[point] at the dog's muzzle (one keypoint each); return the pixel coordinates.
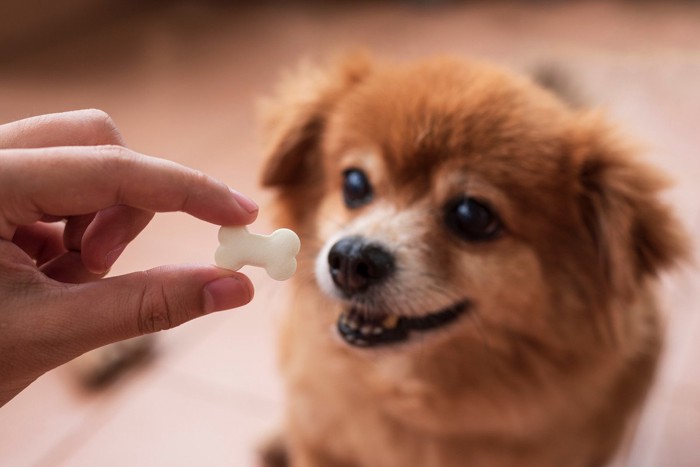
(357, 268)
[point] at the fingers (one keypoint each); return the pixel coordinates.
(41, 241)
(56, 257)
(75, 229)
(69, 269)
(126, 306)
(70, 181)
(89, 127)
(97, 239)
(110, 232)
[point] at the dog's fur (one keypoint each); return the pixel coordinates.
(561, 339)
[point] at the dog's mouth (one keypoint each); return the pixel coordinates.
(365, 329)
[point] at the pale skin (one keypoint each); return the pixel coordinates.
(72, 197)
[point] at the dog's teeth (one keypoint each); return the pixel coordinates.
(390, 321)
(377, 330)
(366, 330)
(361, 342)
(353, 325)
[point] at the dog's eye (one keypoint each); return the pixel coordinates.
(356, 188)
(472, 220)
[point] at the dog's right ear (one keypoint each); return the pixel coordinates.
(635, 233)
(295, 118)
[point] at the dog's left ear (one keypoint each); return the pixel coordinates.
(295, 118)
(635, 233)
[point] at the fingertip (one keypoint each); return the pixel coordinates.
(250, 206)
(227, 292)
(100, 263)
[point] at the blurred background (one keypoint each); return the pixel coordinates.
(182, 78)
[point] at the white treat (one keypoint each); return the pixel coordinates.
(275, 252)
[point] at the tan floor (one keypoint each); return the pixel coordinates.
(181, 82)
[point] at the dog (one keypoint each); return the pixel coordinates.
(475, 286)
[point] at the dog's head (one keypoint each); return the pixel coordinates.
(451, 202)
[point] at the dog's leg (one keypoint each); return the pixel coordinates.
(273, 452)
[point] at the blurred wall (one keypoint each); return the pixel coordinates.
(24, 24)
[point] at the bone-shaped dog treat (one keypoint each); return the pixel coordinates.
(275, 252)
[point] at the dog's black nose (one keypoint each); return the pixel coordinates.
(355, 265)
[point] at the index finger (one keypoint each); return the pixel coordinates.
(69, 181)
(89, 127)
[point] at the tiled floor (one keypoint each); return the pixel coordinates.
(181, 80)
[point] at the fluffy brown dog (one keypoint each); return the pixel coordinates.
(475, 281)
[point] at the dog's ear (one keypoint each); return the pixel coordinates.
(295, 117)
(555, 78)
(635, 233)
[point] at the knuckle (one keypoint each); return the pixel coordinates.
(115, 153)
(155, 311)
(119, 164)
(102, 126)
(197, 178)
(118, 159)
(195, 182)
(96, 116)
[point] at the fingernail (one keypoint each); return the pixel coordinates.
(111, 257)
(245, 202)
(225, 293)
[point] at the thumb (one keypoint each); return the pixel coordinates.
(144, 302)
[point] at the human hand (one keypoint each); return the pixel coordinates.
(71, 198)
